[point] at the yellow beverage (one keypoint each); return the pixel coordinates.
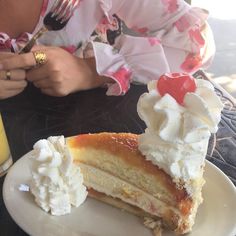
(5, 156)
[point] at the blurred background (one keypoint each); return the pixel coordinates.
(223, 23)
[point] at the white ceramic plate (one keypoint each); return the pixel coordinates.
(216, 216)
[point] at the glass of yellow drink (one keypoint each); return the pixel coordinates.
(5, 154)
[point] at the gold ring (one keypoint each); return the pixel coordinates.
(40, 57)
(8, 75)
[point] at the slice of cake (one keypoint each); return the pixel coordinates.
(116, 172)
(157, 175)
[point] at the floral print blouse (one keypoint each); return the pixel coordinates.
(167, 36)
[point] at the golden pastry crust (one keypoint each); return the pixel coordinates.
(125, 146)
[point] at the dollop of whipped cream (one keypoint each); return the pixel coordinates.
(176, 137)
(56, 182)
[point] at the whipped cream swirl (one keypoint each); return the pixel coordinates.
(56, 182)
(176, 138)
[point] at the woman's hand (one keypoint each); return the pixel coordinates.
(12, 82)
(62, 74)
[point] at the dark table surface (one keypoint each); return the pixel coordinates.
(31, 116)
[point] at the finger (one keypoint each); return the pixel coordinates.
(37, 73)
(18, 61)
(4, 55)
(38, 48)
(18, 74)
(14, 74)
(42, 84)
(48, 91)
(14, 85)
(11, 93)
(3, 75)
(52, 92)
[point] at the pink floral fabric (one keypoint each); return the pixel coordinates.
(169, 36)
(7, 43)
(170, 5)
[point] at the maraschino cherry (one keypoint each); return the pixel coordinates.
(176, 85)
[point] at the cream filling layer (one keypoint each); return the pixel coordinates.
(117, 188)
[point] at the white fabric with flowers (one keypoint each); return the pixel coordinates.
(171, 36)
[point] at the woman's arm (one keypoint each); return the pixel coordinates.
(174, 22)
(173, 37)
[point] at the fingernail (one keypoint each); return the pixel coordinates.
(1, 66)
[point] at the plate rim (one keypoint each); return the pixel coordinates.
(4, 189)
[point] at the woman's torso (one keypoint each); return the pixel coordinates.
(29, 17)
